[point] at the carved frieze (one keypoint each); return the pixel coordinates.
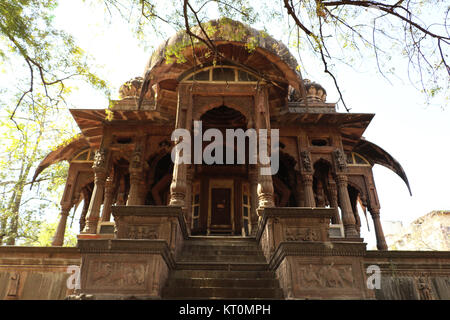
(302, 234)
(325, 276)
(142, 232)
(115, 274)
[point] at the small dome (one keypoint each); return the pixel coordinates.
(314, 92)
(132, 89)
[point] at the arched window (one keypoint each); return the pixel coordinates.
(221, 74)
(84, 156)
(356, 159)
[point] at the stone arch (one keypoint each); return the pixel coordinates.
(321, 178)
(285, 182)
(354, 194)
(159, 188)
(216, 102)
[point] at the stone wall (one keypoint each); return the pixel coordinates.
(411, 275)
(36, 273)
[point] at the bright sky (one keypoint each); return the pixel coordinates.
(416, 135)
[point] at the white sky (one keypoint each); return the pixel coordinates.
(418, 136)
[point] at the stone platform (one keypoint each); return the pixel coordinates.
(291, 257)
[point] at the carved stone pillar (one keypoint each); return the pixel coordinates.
(178, 185)
(87, 200)
(336, 219)
(298, 191)
(308, 189)
(253, 179)
(136, 175)
(265, 184)
(381, 241)
(58, 239)
(98, 192)
(307, 179)
(120, 200)
(108, 200)
(348, 218)
(188, 213)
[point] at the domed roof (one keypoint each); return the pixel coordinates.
(223, 31)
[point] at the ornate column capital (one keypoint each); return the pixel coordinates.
(342, 179)
(307, 178)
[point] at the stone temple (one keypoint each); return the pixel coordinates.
(151, 228)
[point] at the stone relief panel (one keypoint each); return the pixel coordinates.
(325, 276)
(302, 234)
(142, 232)
(117, 274)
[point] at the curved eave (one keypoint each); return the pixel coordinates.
(376, 155)
(63, 152)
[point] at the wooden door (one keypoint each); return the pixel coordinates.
(221, 208)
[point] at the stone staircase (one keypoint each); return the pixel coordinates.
(222, 267)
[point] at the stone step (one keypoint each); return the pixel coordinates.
(222, 238)
(222, 258)
(220, 248)
(220, 253)
(223, 283)
(221, 274)
(227, 266)
(221, 293)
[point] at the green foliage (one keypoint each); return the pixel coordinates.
(51, 56)
(41, 128)
(45, 62)
(330, 33)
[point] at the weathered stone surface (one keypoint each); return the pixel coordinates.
(36, 273)
(151, 222)
(115, 269)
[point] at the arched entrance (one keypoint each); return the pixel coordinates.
(220, 191)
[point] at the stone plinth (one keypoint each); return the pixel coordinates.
(292, 224)
(321, 270)
(124, 268)
(296, 243)
(150, 223)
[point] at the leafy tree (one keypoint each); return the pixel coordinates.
(347, 32)
(43, 64)
(26, 142)
(50, 56)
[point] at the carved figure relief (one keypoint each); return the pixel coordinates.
(99, 158)
(339, 156)
(136, 158)
(142, 232)
(302, 234)
(306, 161)
(117, 274)
(325, 276)
(425, 292)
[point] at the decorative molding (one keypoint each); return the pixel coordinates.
(128, 246)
